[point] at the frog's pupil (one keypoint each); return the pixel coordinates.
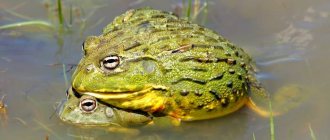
(88, 104)
(112, 60)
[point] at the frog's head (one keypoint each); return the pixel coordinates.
(109, 71)
(87, 111)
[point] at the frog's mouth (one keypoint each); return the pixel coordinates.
(114, 95)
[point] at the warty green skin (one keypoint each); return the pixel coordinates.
(103, 115)
(189, 71)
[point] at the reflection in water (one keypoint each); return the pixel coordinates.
(278, 31)
(3, 112)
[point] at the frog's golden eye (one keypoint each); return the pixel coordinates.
(110, 62)
(88, 105)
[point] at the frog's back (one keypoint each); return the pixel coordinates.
(206, 76)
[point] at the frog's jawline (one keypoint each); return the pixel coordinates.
(116, 95)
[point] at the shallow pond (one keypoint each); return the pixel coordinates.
(288, 39)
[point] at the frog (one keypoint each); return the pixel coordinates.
(87, 111)
(155, 62)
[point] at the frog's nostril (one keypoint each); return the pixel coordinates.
(90, 68)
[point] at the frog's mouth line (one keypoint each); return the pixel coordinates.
(114, 95)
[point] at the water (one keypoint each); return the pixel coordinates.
(273, 32)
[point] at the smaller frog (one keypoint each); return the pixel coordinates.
(87, 111)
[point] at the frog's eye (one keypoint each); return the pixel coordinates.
(88, 105)
(110, 62)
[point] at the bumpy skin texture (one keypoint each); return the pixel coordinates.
(168, 67)
(103, 115)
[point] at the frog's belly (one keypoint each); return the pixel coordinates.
(212, 110)
(155, 103)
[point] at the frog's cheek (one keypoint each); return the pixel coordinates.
(86, 78)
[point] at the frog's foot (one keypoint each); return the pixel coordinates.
(285, 99)
(261, 110)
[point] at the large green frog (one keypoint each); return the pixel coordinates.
(152, 61)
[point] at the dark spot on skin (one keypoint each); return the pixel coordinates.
(231, 46)
(133, 45)
(239, 75)
(230, 84)
(200, 106)
(199, 69)
(218, 47)
(182, 49)
(158, 16)
(235, 94)
(198, 81)
(210, 109)
(170, 94)
(224, 102)
(145, 50)
(184, 92)
(231, 71)
(205, 60)
(215, 93)
(198, 93)
(175, 51)
(221, 59)
(227, 54)
(144, 24)
(234, 91)
(242, 64)
(236, 53)
(178, 101)
(231, 61)
(217, 77)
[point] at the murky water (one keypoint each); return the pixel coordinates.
(288, 39)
